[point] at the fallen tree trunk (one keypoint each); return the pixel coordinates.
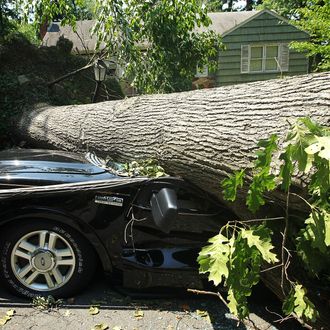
(201, 135)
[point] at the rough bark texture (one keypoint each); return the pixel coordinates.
(201, 135)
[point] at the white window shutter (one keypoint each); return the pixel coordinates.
(245, 52)
(284, 57)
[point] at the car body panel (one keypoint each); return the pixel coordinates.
(118, 221)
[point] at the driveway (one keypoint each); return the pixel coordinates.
(117, 311)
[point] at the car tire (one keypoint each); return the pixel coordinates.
(42, 258)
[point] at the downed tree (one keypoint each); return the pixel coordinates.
(200, 135)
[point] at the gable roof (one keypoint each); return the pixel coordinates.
(221, 22)
(82, 39)
(226, 22)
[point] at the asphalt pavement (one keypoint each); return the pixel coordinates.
(115, 310)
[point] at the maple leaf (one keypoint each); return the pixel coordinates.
(231, 184)
(260, 238)
(213, 258)
(298, 303)
(321, 147)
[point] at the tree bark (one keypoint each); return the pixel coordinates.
(200, 135)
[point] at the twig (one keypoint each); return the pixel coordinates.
(270, 268)
(271, 312)
(285, 233)
(302, 198)
(72, 73)
(210, 293)
(258, 220)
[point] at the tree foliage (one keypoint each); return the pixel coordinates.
(231, 5)
(156, 42)
(315, 19)
(236, 255)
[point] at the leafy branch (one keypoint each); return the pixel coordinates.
(236, 256)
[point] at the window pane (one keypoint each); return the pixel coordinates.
(256, 65)
(256, 52)
(271, 65)
(271, 51)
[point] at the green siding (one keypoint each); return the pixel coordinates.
(263, 29)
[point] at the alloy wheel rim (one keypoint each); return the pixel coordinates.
(43, 260)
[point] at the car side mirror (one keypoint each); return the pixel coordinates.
(164, 208)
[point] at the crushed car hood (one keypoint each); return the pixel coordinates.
(45, 161)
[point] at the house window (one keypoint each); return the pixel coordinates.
(202, 72)
(264, 58)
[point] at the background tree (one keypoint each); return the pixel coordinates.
(156, 42)
(314, 17)
(231, 5)
(7, 16)
(286, 8)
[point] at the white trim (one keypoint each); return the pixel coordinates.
(281, 58)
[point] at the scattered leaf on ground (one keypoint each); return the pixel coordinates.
(117, 327)
(4, 319)
(10, 312)
(100, 326)
(93, 310)
(138, 314)
(202, 313)
(67, 313)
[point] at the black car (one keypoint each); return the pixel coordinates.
(62, 214)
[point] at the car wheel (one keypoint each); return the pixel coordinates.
(40, 258)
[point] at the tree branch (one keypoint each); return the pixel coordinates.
(72, 73)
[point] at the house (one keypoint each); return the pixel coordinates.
(256, 46)
(83, 42)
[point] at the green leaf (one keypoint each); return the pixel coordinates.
(213, 258)
(264, 155)
(287, 167)
(300, 138)
(314, 260)
(318, 229)
(231, 184)
(322, 147)
(232, 302)
(297, 302)
(260, 238)
(260, 183)
(244, 273)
